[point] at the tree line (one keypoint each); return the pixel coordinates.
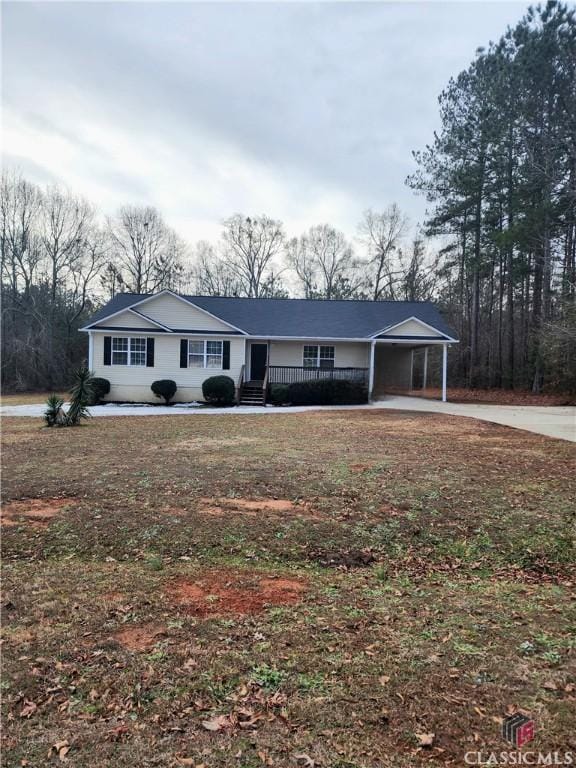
(497, 250)
(500, 175)
(60, 261)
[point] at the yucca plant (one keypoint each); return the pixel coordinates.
(54, 415)
(81, 395)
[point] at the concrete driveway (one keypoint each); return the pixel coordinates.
(551, 421)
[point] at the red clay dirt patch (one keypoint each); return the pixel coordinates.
(219, 593)
(34, 512)
(220, 507)
(141, 638)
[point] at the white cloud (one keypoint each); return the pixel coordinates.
(307, 112)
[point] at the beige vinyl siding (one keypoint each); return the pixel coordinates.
(392, 366)
(133, 382)
(413, 328)
(177, 313)
(127, 320)
(347, 354)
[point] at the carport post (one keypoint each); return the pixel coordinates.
(371, 372)
(425, 375)
(444, 367)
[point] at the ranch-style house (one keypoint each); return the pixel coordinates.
(136, 339)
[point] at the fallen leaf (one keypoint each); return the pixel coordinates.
(216, 723)
(550, 685)
(61, 748)
(384, 679)
(425, 739)
(304, 759)
(28, 709)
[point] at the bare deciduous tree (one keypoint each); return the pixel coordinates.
(324, 263)
(382, 234)
(251, 246)
(418, 272)
(19, 248)
(210, 275)
(145, 251)
(66, 222)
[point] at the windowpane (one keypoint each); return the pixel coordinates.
(213, 354)
(196, 347)
(138, 351)
(326, 357)
(195, 354)
(119, 351)
(310, 355)
(214, 347)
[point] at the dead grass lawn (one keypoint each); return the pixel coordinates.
(303, 589)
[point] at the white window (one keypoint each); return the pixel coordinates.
(213, 354)
(318, 356)
(205, 354)
(195, 354)
(120, 351)
(127, 351)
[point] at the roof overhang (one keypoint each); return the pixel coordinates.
(386, 332)
(130, 308)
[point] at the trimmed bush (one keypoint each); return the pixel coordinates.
(165, 388)
(278, 394)
(100, 388)
(219, 390)
(327, 392)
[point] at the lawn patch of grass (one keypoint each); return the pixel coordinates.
(352, 580)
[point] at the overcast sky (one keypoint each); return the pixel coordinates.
(308, 112)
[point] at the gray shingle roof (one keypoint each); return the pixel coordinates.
(300, 318)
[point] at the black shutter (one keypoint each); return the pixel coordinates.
(183, 353)
(226, 355)
(150, 352)
(107, 350)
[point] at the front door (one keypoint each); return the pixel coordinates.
(258, 360)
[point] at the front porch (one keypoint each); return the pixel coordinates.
(390, 366)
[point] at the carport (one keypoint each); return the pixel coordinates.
(392, 364)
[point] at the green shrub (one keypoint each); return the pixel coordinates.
(219, 390)
(278, 394)
(165, 388)
(100, 388)
(54, 415)
(327, 392)
(81, 395)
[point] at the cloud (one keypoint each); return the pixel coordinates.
(306, 111)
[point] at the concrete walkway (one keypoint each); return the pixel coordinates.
(552, 421)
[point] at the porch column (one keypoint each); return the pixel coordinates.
(90, 351)
(444, 367)
(371, 373)
(411, 370)
(425, 375)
